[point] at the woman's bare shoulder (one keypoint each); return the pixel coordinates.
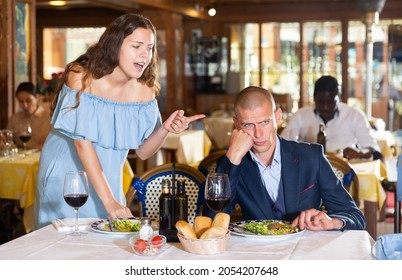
(74, 80)
(143, 92)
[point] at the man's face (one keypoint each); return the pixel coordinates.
(261, 123)
(326, 104)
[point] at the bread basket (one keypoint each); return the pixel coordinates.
(205, 246)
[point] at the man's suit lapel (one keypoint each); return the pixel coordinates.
(290, 176)
(256, 188)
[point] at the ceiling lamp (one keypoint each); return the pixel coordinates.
(57, 3)
(211, 11)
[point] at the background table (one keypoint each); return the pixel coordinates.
(188, 147)
(219, 130)
(48, 244)
(387, 142)
(371, 191)
(18, 182)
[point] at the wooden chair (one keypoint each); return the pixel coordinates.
(148, 189)
(396, 188)
(347, 175)
(398, 197)
(208, 164)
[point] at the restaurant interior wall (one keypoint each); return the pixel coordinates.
(288, 54)
(272, 12)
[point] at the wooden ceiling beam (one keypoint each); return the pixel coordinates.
(186, 8)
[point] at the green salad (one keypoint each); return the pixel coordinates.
(122, 225)
(270, 227)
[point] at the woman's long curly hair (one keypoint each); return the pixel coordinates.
(103, 57)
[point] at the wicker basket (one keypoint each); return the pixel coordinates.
(205, 246)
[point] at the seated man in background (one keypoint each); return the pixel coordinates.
(347, 127)
(273, 178)
(33, 112)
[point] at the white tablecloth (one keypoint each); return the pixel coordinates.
(190, 146)
(48, 243)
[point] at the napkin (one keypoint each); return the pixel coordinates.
(389, 247)
(68, 225)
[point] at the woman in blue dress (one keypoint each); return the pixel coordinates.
(106, 105)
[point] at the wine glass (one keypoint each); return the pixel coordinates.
(217, 191)
(75, 192)
(25, 133)
(6, 142)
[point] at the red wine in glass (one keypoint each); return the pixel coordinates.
(217, 191)
(76, 200)
(75, 193)
(24, 133)
(218, 204)
(25, 138)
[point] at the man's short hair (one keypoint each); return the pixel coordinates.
(326, 84)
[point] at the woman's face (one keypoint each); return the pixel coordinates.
(136, 52)
(27, 101)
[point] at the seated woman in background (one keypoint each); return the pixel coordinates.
(33, 112)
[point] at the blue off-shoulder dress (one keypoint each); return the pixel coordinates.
(112, 127)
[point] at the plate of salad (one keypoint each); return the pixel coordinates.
(265, 229)
(120, 226)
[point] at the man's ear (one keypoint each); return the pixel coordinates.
(278, 115)
(236, 122)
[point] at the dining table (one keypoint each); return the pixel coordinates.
(48, 243)
(387, 142)
(187, 147)
(219, 130)
(18, 175)
(369, 173)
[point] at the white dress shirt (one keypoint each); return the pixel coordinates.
(348, 128)
(271, 174)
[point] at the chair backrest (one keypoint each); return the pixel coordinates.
(398, 197)
(208, 164)
(148, 188)
(347, 175)
(219, 131)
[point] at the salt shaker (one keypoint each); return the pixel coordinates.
(146, 231)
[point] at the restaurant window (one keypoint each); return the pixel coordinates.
(265, 55)
(63, 45)
(269, 55)
(357, 60)
(280, 47)
(321, 53)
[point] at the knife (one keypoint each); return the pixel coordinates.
(111, 225)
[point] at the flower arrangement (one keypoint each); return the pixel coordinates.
(47, 87)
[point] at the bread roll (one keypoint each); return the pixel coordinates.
(214, 232)
(185, 229)
(201, 224)
(221, 220)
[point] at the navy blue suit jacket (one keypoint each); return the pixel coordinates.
(308, 182)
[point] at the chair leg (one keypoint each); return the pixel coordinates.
(397, 215)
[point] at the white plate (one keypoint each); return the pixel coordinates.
(240, 232)
(100, 226)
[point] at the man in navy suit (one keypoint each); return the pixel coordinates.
(273, 178)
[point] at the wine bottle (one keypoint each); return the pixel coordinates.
(321, 136)
(181, 202)
(165, 206)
